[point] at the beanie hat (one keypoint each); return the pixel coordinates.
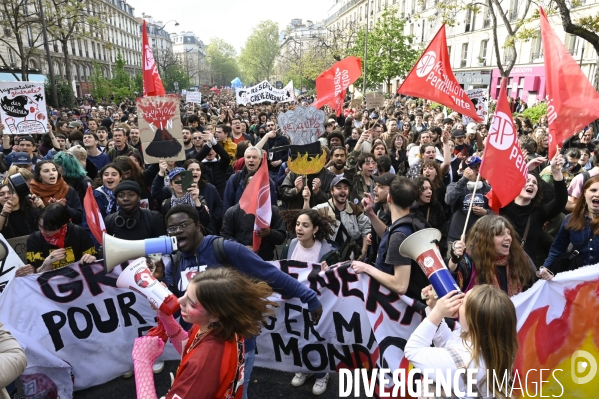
(127, 185)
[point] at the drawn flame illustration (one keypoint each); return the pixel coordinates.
(304, 166)
(551, 345)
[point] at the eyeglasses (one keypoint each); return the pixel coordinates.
(175, 229)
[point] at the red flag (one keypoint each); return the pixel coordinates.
(503, 165)
(255, 200)
(93, 216)
(573, 102)
(332, 83)
(152, 82)
(432, 78)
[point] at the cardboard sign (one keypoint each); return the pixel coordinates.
(19, 244)
(193, 97)
(9, 266)
(303, 125)
(356, 103)
(23, 108)
(160, 128)
(375, 100)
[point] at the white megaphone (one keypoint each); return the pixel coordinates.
(422, 247)
(137, 277)
(117, 251)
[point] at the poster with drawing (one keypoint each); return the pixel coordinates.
(160, 128)
(480, 99)
(303, 125)
(23, 108)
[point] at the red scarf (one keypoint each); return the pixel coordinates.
(56, 239)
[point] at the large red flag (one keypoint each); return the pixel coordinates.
(503, 165)
(573, 102)
(332, 83)
(152, 82)
(93, 216)
(432, 78)
(255, 200)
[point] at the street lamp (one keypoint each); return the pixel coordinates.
(176, 24)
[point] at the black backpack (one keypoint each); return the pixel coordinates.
(218, 246)
(416, 221)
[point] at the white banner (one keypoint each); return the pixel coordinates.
(193, 97)
(362, 324)
(264, 92)
(23, 107)
(303, 125)
(480, 99)
(9, 266)
(79, 317)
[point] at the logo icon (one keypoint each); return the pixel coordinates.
(501, 134)
(580, 367)
(426, 64)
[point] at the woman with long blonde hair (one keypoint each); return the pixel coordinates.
(492, 254)
(484, 340)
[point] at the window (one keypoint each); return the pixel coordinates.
(464, 57)
(513, 14)
(536, 49)
(508, 55)
(571, 43)
(468, 20)
(482, 55)
(487, 18)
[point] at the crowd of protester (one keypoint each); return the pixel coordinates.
(403, 160)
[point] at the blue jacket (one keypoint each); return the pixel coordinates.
(232, 194)
(583, 241)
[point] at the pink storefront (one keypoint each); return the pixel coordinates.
(526, 82)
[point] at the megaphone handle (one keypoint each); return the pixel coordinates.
(470, 207)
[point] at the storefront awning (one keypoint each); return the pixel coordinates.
(33, 77)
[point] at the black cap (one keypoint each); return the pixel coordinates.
(458, 133)
(448, 120)
(338, 179)
(127, 185)
(385, 179)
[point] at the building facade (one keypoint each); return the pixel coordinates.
(470, 41)
(120, 33)
(192, 53)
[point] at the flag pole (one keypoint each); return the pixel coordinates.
(470, 207)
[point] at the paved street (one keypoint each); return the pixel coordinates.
(266, 384)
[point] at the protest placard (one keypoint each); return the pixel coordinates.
(19, 244)
(375, 99)
(160, 128)
(23, 108)
(303, 125)
(480, 99)
(11, 262)
(193, 97)
(264, 92)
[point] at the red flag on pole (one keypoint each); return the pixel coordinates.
(573, 102)
(332, 83)
(93, 216)
(255, 200)
(432, 78)
(152, 82)
(503, 165)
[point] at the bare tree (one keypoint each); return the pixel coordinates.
(21, 33)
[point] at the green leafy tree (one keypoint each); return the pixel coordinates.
(176, 73)
(222, 63)
(257, 58)
(101, 87)
(64, 92)
(391, 54)
(138, 84)
(122, 84)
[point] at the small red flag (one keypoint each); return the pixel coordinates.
(433, 79)
(332, 83)
(152, 82)
(573, 102)
(503, 165)
(93, 216)
(255, 200)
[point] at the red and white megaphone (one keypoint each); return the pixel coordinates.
(139, 278)
(421, 246)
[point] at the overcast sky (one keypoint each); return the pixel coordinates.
(231, 20)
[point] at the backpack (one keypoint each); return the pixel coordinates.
(417, 223)
(218, 246)
(585, 176)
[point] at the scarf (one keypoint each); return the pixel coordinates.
(56, 239)
(58, 190)
(111, 199)
(184, 200)
(501, 261)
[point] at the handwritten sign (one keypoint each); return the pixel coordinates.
(375, 100)
(23, 107)
(303, 125)
(19, 244)
(264, 92)
(193, 97)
